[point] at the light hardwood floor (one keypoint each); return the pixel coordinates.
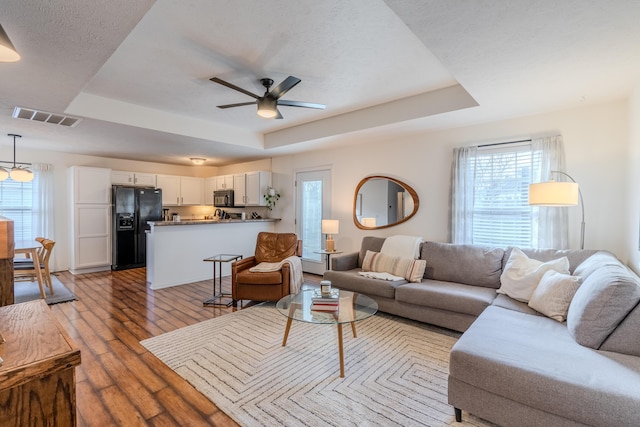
(119, 383)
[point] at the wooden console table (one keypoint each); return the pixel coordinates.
(37, 375)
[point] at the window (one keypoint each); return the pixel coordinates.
(490, 192)
(501, 212)
(16, 203)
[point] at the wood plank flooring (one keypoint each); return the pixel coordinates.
(119, 383)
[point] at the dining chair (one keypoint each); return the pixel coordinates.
(24, 267)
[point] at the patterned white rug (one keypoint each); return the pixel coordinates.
(395, 370)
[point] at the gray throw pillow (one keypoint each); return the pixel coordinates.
(605, 297)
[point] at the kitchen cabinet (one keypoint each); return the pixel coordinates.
(224, 182)
(90, 219)
(250, 187)
(191, 190)
(133, 178)
(181, 190)
(209, 188)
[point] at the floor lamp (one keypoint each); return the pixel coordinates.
(558, 194)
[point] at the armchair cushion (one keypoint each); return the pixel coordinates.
(274, 247)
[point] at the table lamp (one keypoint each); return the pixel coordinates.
(329, 227)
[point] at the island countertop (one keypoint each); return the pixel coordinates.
(210, 221)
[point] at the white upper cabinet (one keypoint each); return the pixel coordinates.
(191, 190)
(250, 187)
(170, 185)
(91, 185)
(209, 188)
(133, 178)
(224, 182)
(181, 190)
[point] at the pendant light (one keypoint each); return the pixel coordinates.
(16, 173)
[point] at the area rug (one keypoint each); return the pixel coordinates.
(395, 370)
(28, 291)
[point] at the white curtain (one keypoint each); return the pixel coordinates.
(462, 194)
(42, 204)
(550, 224)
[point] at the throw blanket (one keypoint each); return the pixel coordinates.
(402, 246)
(380, 275)
(295, 269)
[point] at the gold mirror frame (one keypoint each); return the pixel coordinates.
(357, 202)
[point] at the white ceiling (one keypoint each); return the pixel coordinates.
(138, 72)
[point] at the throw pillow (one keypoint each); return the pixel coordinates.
(554, 293)
(522, 274)
(409, 268)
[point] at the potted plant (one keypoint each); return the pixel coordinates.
(271, 197)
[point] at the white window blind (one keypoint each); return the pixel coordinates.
(16, 204)
(501, 213)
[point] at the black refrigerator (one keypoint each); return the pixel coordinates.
(132, 208)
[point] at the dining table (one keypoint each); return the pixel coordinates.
(30, 248)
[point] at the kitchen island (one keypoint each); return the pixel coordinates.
(176, 250)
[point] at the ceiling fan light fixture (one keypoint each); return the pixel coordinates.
(267, 107)
(197, 161)
(8, 53)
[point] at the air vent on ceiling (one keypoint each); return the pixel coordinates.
(43, 116)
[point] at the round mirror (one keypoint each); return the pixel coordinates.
(381, 201)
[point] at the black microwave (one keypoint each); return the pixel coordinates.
(223, 198)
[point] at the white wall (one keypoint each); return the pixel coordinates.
(597, 152)
(633, 179)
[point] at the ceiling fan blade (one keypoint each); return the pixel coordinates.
(234, 87)
(240, 104)
(301, 104)
(279, 116)
(284, 87)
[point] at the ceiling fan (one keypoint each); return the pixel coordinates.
(269, 102)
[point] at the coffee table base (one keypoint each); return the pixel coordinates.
(340, 340)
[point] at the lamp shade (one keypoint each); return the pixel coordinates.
(553, 193)
(4, 174)
(21, 175)
(330, 226)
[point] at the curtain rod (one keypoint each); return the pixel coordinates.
(504, 143)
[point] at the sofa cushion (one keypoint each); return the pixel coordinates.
(354, 282)
(595, 261)
(468, 264)
(511, 304)
(522, 274)
(554, 293)
(369, 243)
(626, 336)
(575, 256)
(449, 296)
(409, 268)
(534, 361)
(601, 302)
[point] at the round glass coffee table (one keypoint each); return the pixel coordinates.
(349, 308)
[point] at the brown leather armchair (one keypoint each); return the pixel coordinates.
(265, 286)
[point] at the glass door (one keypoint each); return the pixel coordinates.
(313, 203)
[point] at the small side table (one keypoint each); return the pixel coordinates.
(216, 300)
(328, 254)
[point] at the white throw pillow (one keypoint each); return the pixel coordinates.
(522, 274)
(554, 294)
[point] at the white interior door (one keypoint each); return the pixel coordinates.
(313, 203)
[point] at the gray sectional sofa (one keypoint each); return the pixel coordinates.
(513, 365)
